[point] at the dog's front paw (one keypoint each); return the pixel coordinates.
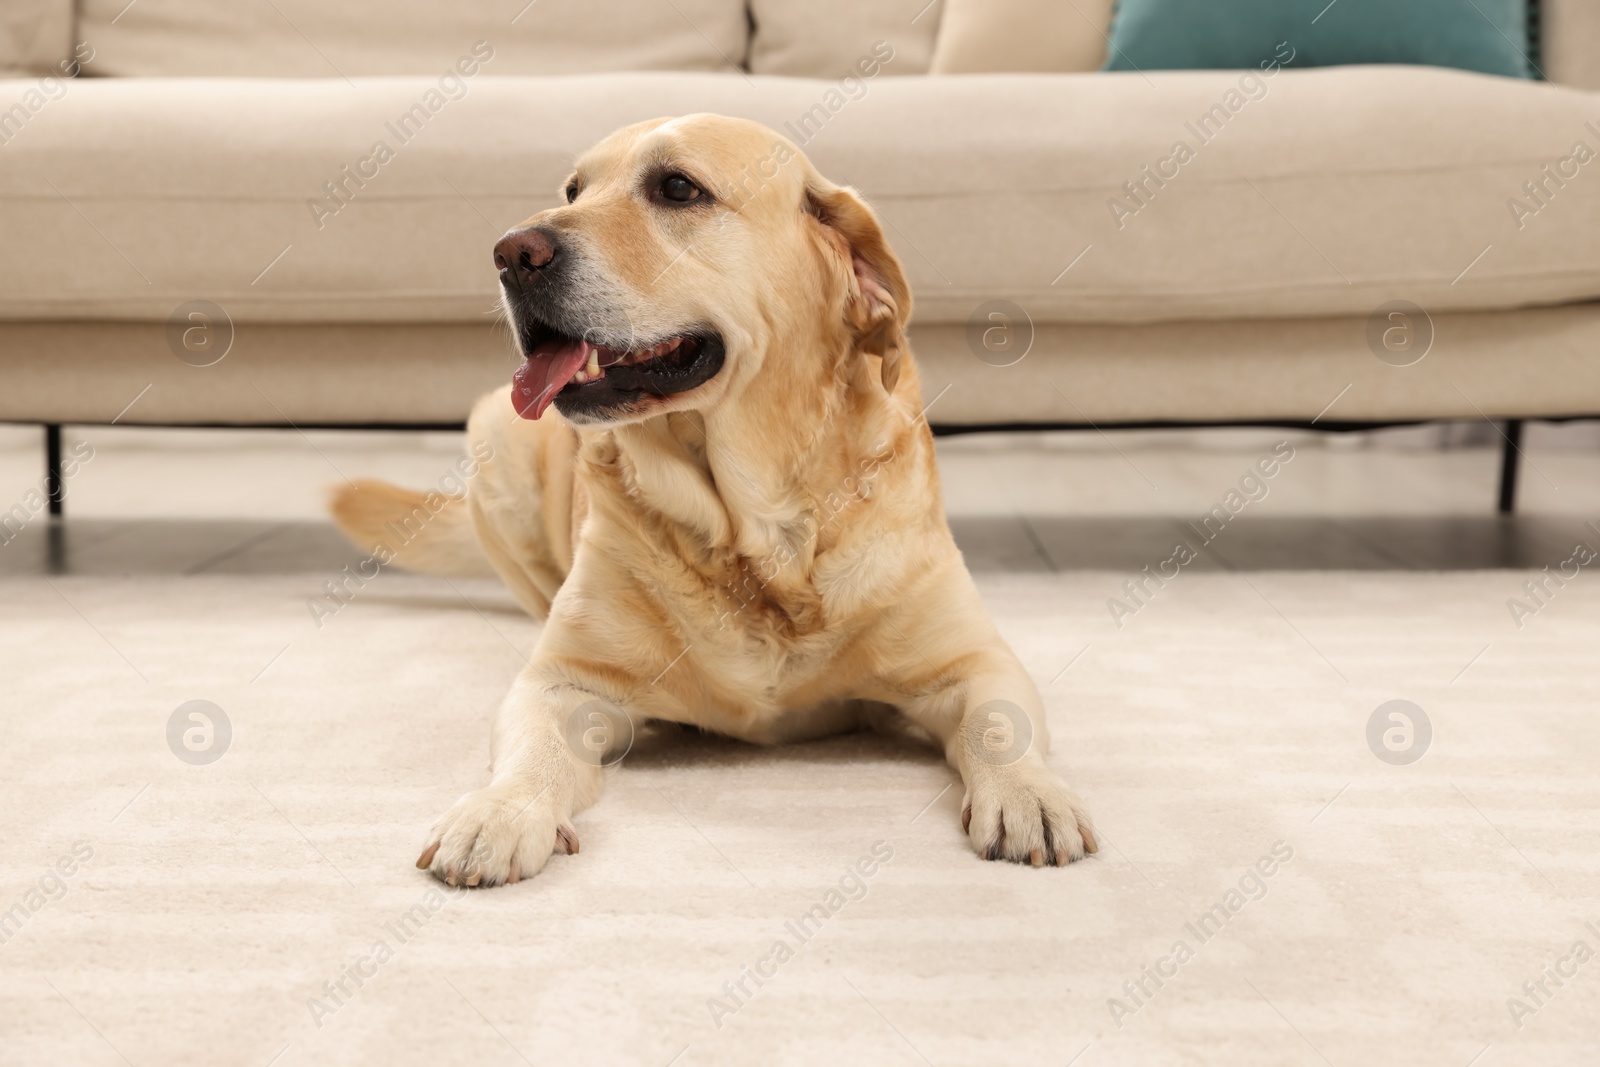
(497, 835)
(1024, 813)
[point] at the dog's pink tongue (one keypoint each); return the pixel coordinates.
(545, 372)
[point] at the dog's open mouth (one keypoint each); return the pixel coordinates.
(583, 378)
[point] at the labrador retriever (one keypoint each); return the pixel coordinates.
(732, 518)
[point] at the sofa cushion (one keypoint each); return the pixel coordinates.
(127, 198)
(1043, 36)
(827, 38)
(35, 36)
(353, 38)
(1569, 36)
(1490, 36)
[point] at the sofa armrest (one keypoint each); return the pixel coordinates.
(1570, 40)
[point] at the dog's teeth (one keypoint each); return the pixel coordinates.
(593, 369)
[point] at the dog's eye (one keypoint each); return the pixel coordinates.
(679, 190)
(572, 192)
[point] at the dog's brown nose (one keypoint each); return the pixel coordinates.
(525, 251)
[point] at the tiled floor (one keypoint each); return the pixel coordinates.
(237, 502)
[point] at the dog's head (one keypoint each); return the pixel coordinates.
(696, 258)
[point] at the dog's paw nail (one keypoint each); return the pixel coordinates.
(475, 879)
(568, 838)
(516, 873)
(1063, 857)
(966, 818)
(1090, 845)
(452, 877)
(425, 860)
(1036, 857)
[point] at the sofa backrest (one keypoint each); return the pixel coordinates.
(829, 38)
(1569, 32)
(35, 36)
(800, 38)
(352, 38)
(1039, 36)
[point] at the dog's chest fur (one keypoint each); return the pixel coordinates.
(767, 613)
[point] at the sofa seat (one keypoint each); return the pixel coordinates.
(1316, 193)
(1534, 363)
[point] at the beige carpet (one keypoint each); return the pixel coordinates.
(1223, 722)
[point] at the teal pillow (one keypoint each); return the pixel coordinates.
(1490, 36)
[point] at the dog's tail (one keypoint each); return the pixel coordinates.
(430, 533)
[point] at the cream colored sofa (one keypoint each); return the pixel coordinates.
(226, 152)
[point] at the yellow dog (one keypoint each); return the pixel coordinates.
(735, 520)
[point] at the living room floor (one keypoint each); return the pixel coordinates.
(1288, 874)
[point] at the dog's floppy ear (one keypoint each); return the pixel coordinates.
(880, 299)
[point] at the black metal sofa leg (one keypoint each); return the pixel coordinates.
(55, 490)
(1510, 453)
